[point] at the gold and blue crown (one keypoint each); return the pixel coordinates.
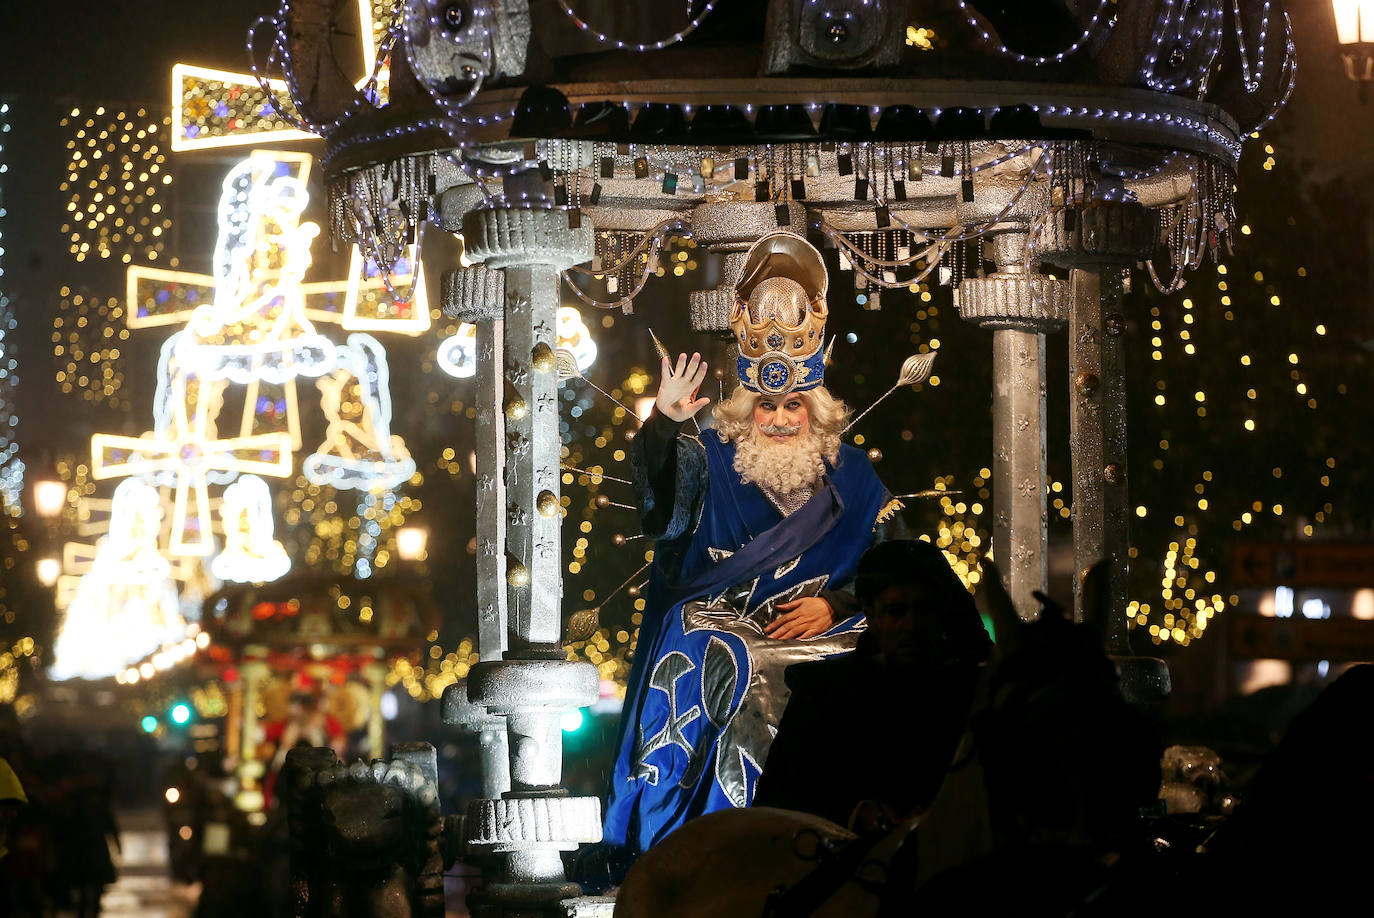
(779, 316)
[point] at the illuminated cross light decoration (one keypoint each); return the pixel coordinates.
(256, 328)
(251, 554)
(218, 108)
(188, 455)
(125, 606)
(359, 451)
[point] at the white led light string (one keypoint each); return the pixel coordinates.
(640, 46)
(1089, 32)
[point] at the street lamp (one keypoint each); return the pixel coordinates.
(1355, 32)
(410, 542)
(48, 571)
(49, 497)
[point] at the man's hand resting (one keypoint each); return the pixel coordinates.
(802, 618)
(677, 388)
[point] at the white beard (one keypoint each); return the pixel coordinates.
(780, 467)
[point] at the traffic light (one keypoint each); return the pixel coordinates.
(180, 713)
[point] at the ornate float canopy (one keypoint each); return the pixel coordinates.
(871, 114)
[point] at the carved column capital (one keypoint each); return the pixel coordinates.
(523, 236)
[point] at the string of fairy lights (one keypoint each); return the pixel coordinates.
(12, 467)
(1232, 429)
(116, 185)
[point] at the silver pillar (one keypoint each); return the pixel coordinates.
(531, 683)
(1097, 431)
(477, 294)
(534, 567)
(1020, 308)
(1019, 537)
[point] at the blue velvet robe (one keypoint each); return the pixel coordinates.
(706, 689)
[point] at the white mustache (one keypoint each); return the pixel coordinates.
(774, 430)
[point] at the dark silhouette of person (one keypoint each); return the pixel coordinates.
(881, 724)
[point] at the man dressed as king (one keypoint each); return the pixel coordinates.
(760, 521)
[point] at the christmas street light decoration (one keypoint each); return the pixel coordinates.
(396, 302)
(359, 451)
(457, 354)
(256, 327)
(189, 454)
(125, 606)
(251, 554)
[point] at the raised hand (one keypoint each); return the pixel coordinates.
(677, 388)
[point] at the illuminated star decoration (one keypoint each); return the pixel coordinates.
(251, 554)
(125, 606)
(359, 451)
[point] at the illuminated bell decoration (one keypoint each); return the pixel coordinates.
(359, 451)
(548, 504)
(875, 455)
(603, 501)
(542, 358)
(618, 540)
(517, 575)
(251, 554)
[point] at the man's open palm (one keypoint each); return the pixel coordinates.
(677, 389)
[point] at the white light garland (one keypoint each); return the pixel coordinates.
(1089, 32)
(641, 46)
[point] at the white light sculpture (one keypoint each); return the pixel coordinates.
(189, 454)
(125, 606)
(457, 355)
(359, 451)
(251, 554)
(256, 328)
